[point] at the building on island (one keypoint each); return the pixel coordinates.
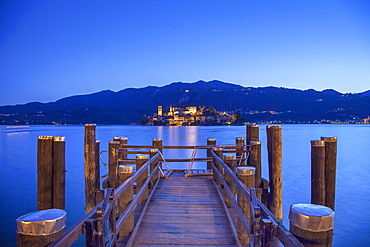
(191, 115)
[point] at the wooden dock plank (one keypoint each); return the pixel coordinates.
(185, 211)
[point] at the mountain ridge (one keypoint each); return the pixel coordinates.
(257, 104)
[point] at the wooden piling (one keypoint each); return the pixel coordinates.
(44, 172)
(219, 153)
(274, 148)
(40, 228)
(113, 164)
(157, 143)
(230, 162)
(330, 170)
(255, 160)
(99, 194)
(210, 142)
(140, 161)
(252, 133)
(240, 146)
(125, 172)
(123, 143)
(318, 172)
(152, 167)
(247, 175)
(59, 168)
(90, 166)
(312, 224)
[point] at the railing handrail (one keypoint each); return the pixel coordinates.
(225, 146)
(284, 236)
(77, 230)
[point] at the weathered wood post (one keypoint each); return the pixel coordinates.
(123, 143)
(247, 175)
(40, 228)
(90, 164)
(140, 161)
(239, 150)
(113, 164)
(274, 148)
(99, 194)
(330, 170)
(154, 178)
(157, 143)
(59, 168)
(318, 172)
(125, 172)
(312, 224)
(212, 143)
(50, 172)
(44, 172)
(219, 153)
(252, 133)
(255, 160)
(230, 162)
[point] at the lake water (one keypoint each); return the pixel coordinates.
(352, 219)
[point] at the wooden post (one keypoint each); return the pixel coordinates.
(230, 162)
(123, 143)
(330, 170)
(90, 166)
(157, 143)
(312, 224)
(219, 153)
(140, 161)
(252, 133)
(246, 174)
(274, 148)
(152, 167)
(99, 194)
(239, 148)
(59, 169)
(210, 142)
(255, 161)
(113, 164)
(40, 228)
(318, 172)
(125, 172)
(44, 172)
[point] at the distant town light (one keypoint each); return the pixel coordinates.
(186, 91)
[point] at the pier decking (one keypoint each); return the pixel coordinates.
(185, 211)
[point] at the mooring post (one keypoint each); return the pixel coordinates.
(312, 224)
(230, 162)
(252, 133)
(212, 143)
(219, 153)
(157, 143)
(125, 172)
(50, 172)
(99, 194)
(140, 161)
(330, 170)
(59, 168)
(239, 150)
(90, 171)
(40, 228)
(123, 143)
(255, 160)
(113, 164)
(274, 148)
(318, 172)
(246, 174)
(154, 178)
(44, 172)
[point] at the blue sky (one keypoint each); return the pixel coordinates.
(53, 49)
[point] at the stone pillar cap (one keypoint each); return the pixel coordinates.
(245, 170)
(41, 223)
(311, 217)
(127, 168)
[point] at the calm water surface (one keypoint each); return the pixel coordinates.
(352, 219)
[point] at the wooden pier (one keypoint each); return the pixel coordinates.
(142, 202)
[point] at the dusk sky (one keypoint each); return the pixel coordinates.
(53, 49)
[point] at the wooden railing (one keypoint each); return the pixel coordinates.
(260, 224)
(101, 224)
